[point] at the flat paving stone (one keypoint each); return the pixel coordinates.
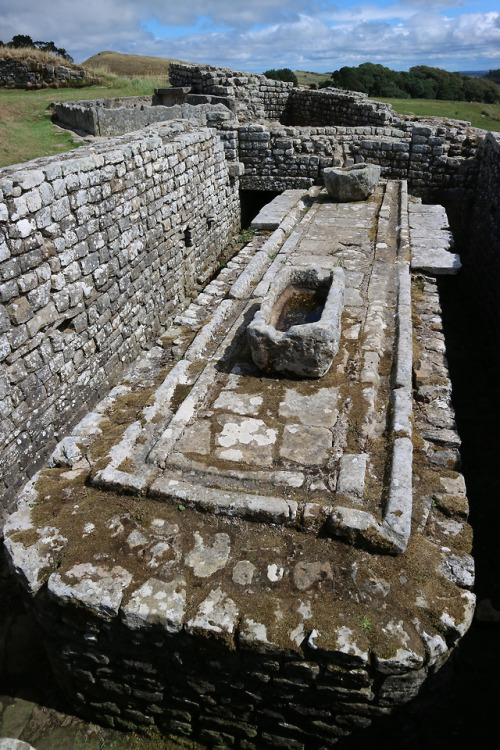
(317, 409)
(306, 445)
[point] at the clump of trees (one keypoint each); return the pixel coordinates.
(23, 40)
(282, 74)
(421, 82)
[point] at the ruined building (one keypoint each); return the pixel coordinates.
(251, 557)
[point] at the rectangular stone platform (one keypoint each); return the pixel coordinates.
(223, 436)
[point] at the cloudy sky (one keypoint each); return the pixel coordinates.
(255, 35)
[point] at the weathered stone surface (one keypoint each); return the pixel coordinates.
(96, 588)
(82, 249)
(156, 603)
(354, 183)
(7, 743)
(204, 559)
(242, 547)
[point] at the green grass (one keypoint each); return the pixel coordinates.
(26, 130)
(486, 116)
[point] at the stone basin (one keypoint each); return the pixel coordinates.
(355, 183)
(306, 349)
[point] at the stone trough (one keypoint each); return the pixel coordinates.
(304, 349)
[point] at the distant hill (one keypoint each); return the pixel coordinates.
(474, 73)
(129, 65)
(308, 78)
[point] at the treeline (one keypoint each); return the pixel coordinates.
(421, 82)
(20, 41)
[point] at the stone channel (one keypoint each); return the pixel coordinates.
(254, 560)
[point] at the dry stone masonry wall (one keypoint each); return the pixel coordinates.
(482, 249)
(98, 251)
(255, 95)
(109, 117)
(252, 561)
(31, 74)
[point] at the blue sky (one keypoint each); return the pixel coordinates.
(255, 35)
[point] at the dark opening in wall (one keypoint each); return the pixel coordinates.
(251, 203)
(188, 237)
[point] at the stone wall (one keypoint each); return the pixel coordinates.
(431, 157)
(31, 74)
(256, 96)
(334, 127)
(98, 250)
(227, 695)
(111, 117)
(336, 107)
(481, 252)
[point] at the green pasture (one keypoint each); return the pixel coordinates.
(26, 129)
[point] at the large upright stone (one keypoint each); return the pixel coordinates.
(354, 183)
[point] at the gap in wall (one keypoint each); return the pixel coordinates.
(252, 201)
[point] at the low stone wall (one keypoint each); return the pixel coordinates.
(98, 250)
(337, 107)
(112, 117)
(31, 74)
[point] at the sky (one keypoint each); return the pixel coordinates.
(255, 35)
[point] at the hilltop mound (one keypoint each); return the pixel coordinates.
(129, 65)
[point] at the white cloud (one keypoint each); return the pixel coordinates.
(268, 33)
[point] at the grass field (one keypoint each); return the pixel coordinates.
(486, 116)
(305, 77)
(26, 130)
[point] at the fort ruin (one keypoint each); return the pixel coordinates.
(245, 558)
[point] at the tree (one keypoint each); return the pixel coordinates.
(20, 40)
(422, 82)
(282, 74)
(493, 75)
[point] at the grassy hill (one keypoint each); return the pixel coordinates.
(306, 77)
(132, 66)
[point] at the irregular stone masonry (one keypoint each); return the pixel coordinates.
(431, 155)
(482, 250)
(221, 612)
(429, 152)
(255, 95)
(247, 632)
(287, 157)
(98, 251)
(31, 74)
